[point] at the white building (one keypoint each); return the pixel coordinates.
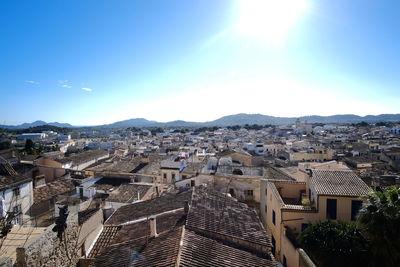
(64, 137)
(16, 195)
(32, 136)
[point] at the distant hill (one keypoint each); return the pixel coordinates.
(237, 119)
(132, 123)
(36, 123)
(243, 118)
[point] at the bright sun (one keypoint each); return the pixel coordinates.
(270, 20)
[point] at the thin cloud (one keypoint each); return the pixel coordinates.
(32, 82)
(87, 89)
(63, 83)
(216, 38)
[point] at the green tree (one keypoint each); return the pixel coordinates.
(29, 146)
(5, 144)
(334, 243)
(379, 219)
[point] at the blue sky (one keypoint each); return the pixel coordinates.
(94, 62)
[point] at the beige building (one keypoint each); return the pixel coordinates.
(287, 207)
(320, 154)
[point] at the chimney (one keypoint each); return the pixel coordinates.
(186, 207)
(153, 227)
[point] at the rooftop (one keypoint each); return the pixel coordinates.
(127, 193)
(338, 183)
(214, 212)
(198, 250)
(177, 243)
(167, 202)
(9, 178)
(277, 174)
(170, 164)
(52, 189)
(83, 156)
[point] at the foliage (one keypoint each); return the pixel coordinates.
(334, 243)
(5, 144)
(39, 129)
(134, 129)
(154, 131)
(385, 123)
(361, 124)
(234, 127)
(380, 220)
(205, 129)
(183, 130)
(306, 202)
(29, 146)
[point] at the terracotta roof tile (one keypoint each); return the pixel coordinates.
(338, 183)
(201, 251)
(52, 189)
(166, 202)
(217, 213)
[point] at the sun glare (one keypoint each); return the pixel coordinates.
(270, 20)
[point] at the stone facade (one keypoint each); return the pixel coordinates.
(48, 250)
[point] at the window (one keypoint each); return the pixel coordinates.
(248, 192)
(237, 172)
(17, 214)
(165, 176)
(17, 209)
(331, 207)
(355, 207)
(273, 217)
(16, 191)
(173, 176)
(273, 245)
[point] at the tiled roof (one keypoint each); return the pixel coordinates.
(143, 251)
(127, 193)
(276, 174)
(120, 166)
(9, 178)
(338, 183)
(164, 223)
(166, 202)
(83, 156)
(201, 251)
(169, 164)
(217, 213)
(52, 189)
(103, 240)
(132, 245)
(106, 184)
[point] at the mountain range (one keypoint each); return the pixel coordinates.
(36, 123)
(237, 119)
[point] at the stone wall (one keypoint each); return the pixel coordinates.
(48, 250)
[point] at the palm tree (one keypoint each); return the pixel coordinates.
(380, 221)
